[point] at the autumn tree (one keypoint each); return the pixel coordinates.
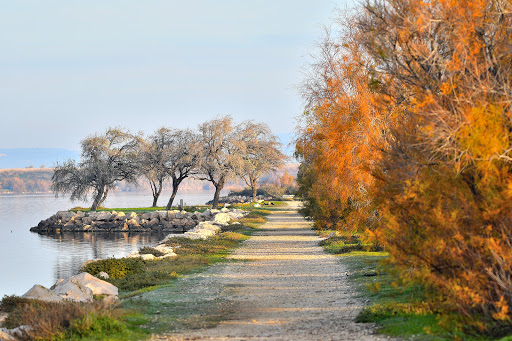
(408, 114)
(105, 160)
(261, 153)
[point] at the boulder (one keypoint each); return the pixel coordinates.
(104, 216)
(79, 214)
(131, 215)
(120, 216)
(154, 221)
(39, 292)
(132, 222)
(96, 285)
(72, 291)
(221, 219)
(162, 215)
(65, 216)
(165, 249)
(146, 216)
(5, 334)
(87, 220)
(154, 215)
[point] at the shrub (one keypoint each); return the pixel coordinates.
(115, 267)
(146, 250)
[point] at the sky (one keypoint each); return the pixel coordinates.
(69, 69)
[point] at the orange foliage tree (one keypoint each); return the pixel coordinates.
(416, 112)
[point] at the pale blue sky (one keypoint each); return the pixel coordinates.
(71, 68)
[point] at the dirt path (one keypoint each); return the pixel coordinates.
(285, 288)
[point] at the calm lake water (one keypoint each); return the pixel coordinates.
(28, 258)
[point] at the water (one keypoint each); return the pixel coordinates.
(28, 258)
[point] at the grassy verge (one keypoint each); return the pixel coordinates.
(137, 315)
(399, 310)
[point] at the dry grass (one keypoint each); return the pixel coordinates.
(53, 320)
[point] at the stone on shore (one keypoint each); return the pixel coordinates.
(41, 293)
(221, 219)
(73, 292)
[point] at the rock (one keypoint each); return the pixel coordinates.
(79, 214)
(181, 215)
(104, 216)
(257, 205)
(224, 210)
(41, 293)
(103, 275)
(132, 222)
(202, 231)
(177, 222)
(87, 220)
(96, 285)
(162, 215)
(154, 215)
(165, 249)
(146, 216)
(120, 216)
(221, 219)
(154, 221)
(71, 291)
(131, 215)
(20, 331)
(65, 216)
(147, 256)
(5, 334)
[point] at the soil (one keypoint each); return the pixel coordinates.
(280, 285)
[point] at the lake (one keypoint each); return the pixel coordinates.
(28, 258)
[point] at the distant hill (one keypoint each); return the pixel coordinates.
(35, 157)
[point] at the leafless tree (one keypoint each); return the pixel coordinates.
(221, 153)
(183, 155)
(168, 154)
(152, 157)
(105, 160)
(261, 153)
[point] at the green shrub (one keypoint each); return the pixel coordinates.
(146, 250)
(95, 323)
(115, 267)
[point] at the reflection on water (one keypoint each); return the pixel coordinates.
(76, 248)
(28, 258)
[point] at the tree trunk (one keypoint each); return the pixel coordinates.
(97, 199)
(218, 187)
(103, 198)
(254, 189)
(173, 195)
(157, 190)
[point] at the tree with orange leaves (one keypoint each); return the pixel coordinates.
(409, 117)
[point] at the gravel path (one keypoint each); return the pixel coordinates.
(284, 288)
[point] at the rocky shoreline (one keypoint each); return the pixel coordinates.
(115, 221)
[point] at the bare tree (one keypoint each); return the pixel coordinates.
(105, 160)
(183, 156)
(152, 160)
(221, 151)
(261, 153)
